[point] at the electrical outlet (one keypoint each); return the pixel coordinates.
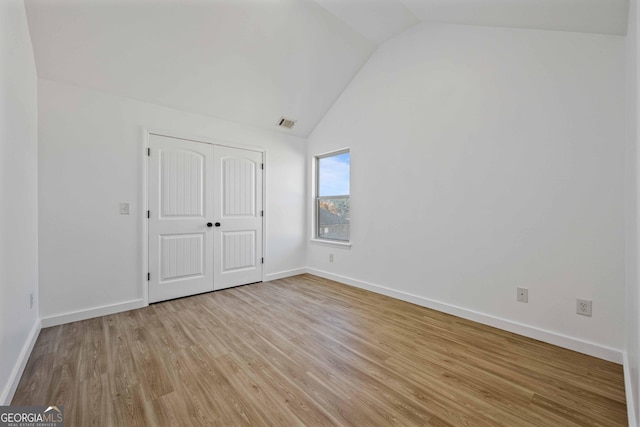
(31, 300)
(330, 257)
(583, 307)
(124, 208)
(523, 295)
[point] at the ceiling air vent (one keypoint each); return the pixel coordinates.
(286, 123)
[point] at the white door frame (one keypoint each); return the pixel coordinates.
(144, 194)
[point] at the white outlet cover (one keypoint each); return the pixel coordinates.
(584, 307)
(124, 208)
(523, 295)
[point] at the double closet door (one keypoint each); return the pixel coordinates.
(205, 217)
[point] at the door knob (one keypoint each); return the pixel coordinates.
(217, 224)
(209, 224)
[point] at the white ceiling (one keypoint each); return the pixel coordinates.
(379, 20)
(253, 61)
(246, 61)
(589, 16)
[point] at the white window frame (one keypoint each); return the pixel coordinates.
(314, 202)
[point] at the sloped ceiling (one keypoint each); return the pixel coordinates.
(589, 16)
(378, 20)
(253, 61)
(249, 61)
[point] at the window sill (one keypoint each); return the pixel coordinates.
(340, 245)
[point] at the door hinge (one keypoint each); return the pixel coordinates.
(148, 214)
(261, 165)
(261, 213)
(148, 151)
(148, 276)
(262, 260)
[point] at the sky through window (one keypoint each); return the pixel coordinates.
(333, 175)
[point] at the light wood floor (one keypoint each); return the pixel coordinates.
(308, 351)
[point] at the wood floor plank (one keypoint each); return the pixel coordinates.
(308, 351)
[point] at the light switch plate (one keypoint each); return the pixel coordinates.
(124, 208)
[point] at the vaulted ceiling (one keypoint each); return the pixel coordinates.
(253, 61)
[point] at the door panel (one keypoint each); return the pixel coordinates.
(181, 177)
(180, 204)
(238, 241)
(239, 250)
(238, 186)
(181, 256)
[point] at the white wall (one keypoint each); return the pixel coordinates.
(632, 321)
(90, 160)
(19, 324)
(484, 159)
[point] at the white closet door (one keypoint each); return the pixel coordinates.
(181, 207)
(238, 211)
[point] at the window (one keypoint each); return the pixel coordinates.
(332, 196)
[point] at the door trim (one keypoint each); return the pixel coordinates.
(144, 194)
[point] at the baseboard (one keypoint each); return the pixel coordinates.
(631, 403)
(12, 385)
(554, 338)
(284, 274)
(60, 319)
